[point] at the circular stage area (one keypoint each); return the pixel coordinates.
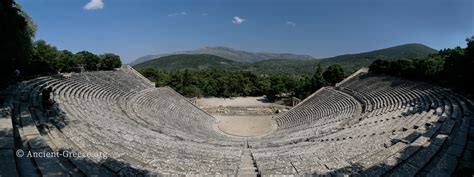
(245, 126)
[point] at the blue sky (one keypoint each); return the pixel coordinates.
(321, 28)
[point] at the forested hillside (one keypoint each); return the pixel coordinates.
(352, 62)
(207, 75)
(349, 63)
(191, 61)
(229, 53)
(451, 68)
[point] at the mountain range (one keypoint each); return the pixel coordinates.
(406, 51)
(229, 53)
(275, 63)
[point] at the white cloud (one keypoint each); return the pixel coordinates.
(204, 14)
(177, 14)
(94, 5)
(290, 23)
(237, 20)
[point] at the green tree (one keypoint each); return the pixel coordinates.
(263, 85)
(191, 91)
(379, 66)
(401, 68)
(277, 87)
(66, 61)
(470, 46)
(317, 81)
(88, 60)
(333, 74)
(189, 78)
(46, 56)
(109, 61)
(469, 72)
(427, 68)
(16, 32)
(458, 67)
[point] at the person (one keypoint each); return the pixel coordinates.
(17, 73)
(16, 76)
(45, 99)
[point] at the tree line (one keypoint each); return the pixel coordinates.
(452, 68)
(224, 83)
(55, 60)
(22, 57)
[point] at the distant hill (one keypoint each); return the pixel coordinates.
(231, 54)
(205, 61)
(191, 61)
(349, 62)
(406, 51)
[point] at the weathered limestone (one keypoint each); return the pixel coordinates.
(366, 126)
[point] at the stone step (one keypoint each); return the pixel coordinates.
(247, 163)
(7, 161)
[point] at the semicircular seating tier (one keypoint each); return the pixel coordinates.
(120, 124)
